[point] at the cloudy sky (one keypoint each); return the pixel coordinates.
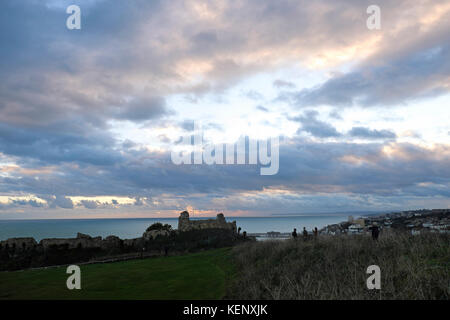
(89, 117)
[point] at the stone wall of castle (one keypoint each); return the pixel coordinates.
(86, 241)
(81, 241)
(185, 224)
(19, 244)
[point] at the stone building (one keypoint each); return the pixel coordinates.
(185, 224)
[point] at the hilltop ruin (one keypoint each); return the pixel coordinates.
(191, 236)
(185, 224)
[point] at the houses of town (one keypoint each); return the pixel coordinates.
(415, 222)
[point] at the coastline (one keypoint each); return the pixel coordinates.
(127, 228)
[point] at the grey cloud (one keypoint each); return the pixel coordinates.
(315, 127)
(335, 114)
(292, 26)
(305, 168)
(413, 76)
(254, 95)
(261, 108)
(51, 146)
(128, 144)
(90, 204)
(65, 79)
(163, 138)
(60, 89)
(213, 125)
(362, 132)
(32, 203)
(143, 109)
(206, 40)
(283, 84)
(187, 125)
(138, 201)
(62, 202)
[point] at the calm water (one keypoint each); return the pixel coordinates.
(133, 228)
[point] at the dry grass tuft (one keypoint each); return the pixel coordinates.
(334, 267)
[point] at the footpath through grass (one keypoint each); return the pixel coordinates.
(200, 275)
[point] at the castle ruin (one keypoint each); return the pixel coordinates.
(185, 224)
(22, 253)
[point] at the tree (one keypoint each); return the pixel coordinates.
(160, 226)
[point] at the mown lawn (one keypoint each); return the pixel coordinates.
(201, 275)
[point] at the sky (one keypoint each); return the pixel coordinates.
(89, 117)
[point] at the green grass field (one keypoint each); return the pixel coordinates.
(201, 275)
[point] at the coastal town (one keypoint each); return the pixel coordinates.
(413, 221)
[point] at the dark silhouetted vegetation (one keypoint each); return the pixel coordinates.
(159, 226)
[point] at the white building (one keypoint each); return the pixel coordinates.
(355, 228)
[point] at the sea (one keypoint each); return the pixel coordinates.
(129, 228)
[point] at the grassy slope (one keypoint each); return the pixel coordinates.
(193, 276)
(412, 267)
